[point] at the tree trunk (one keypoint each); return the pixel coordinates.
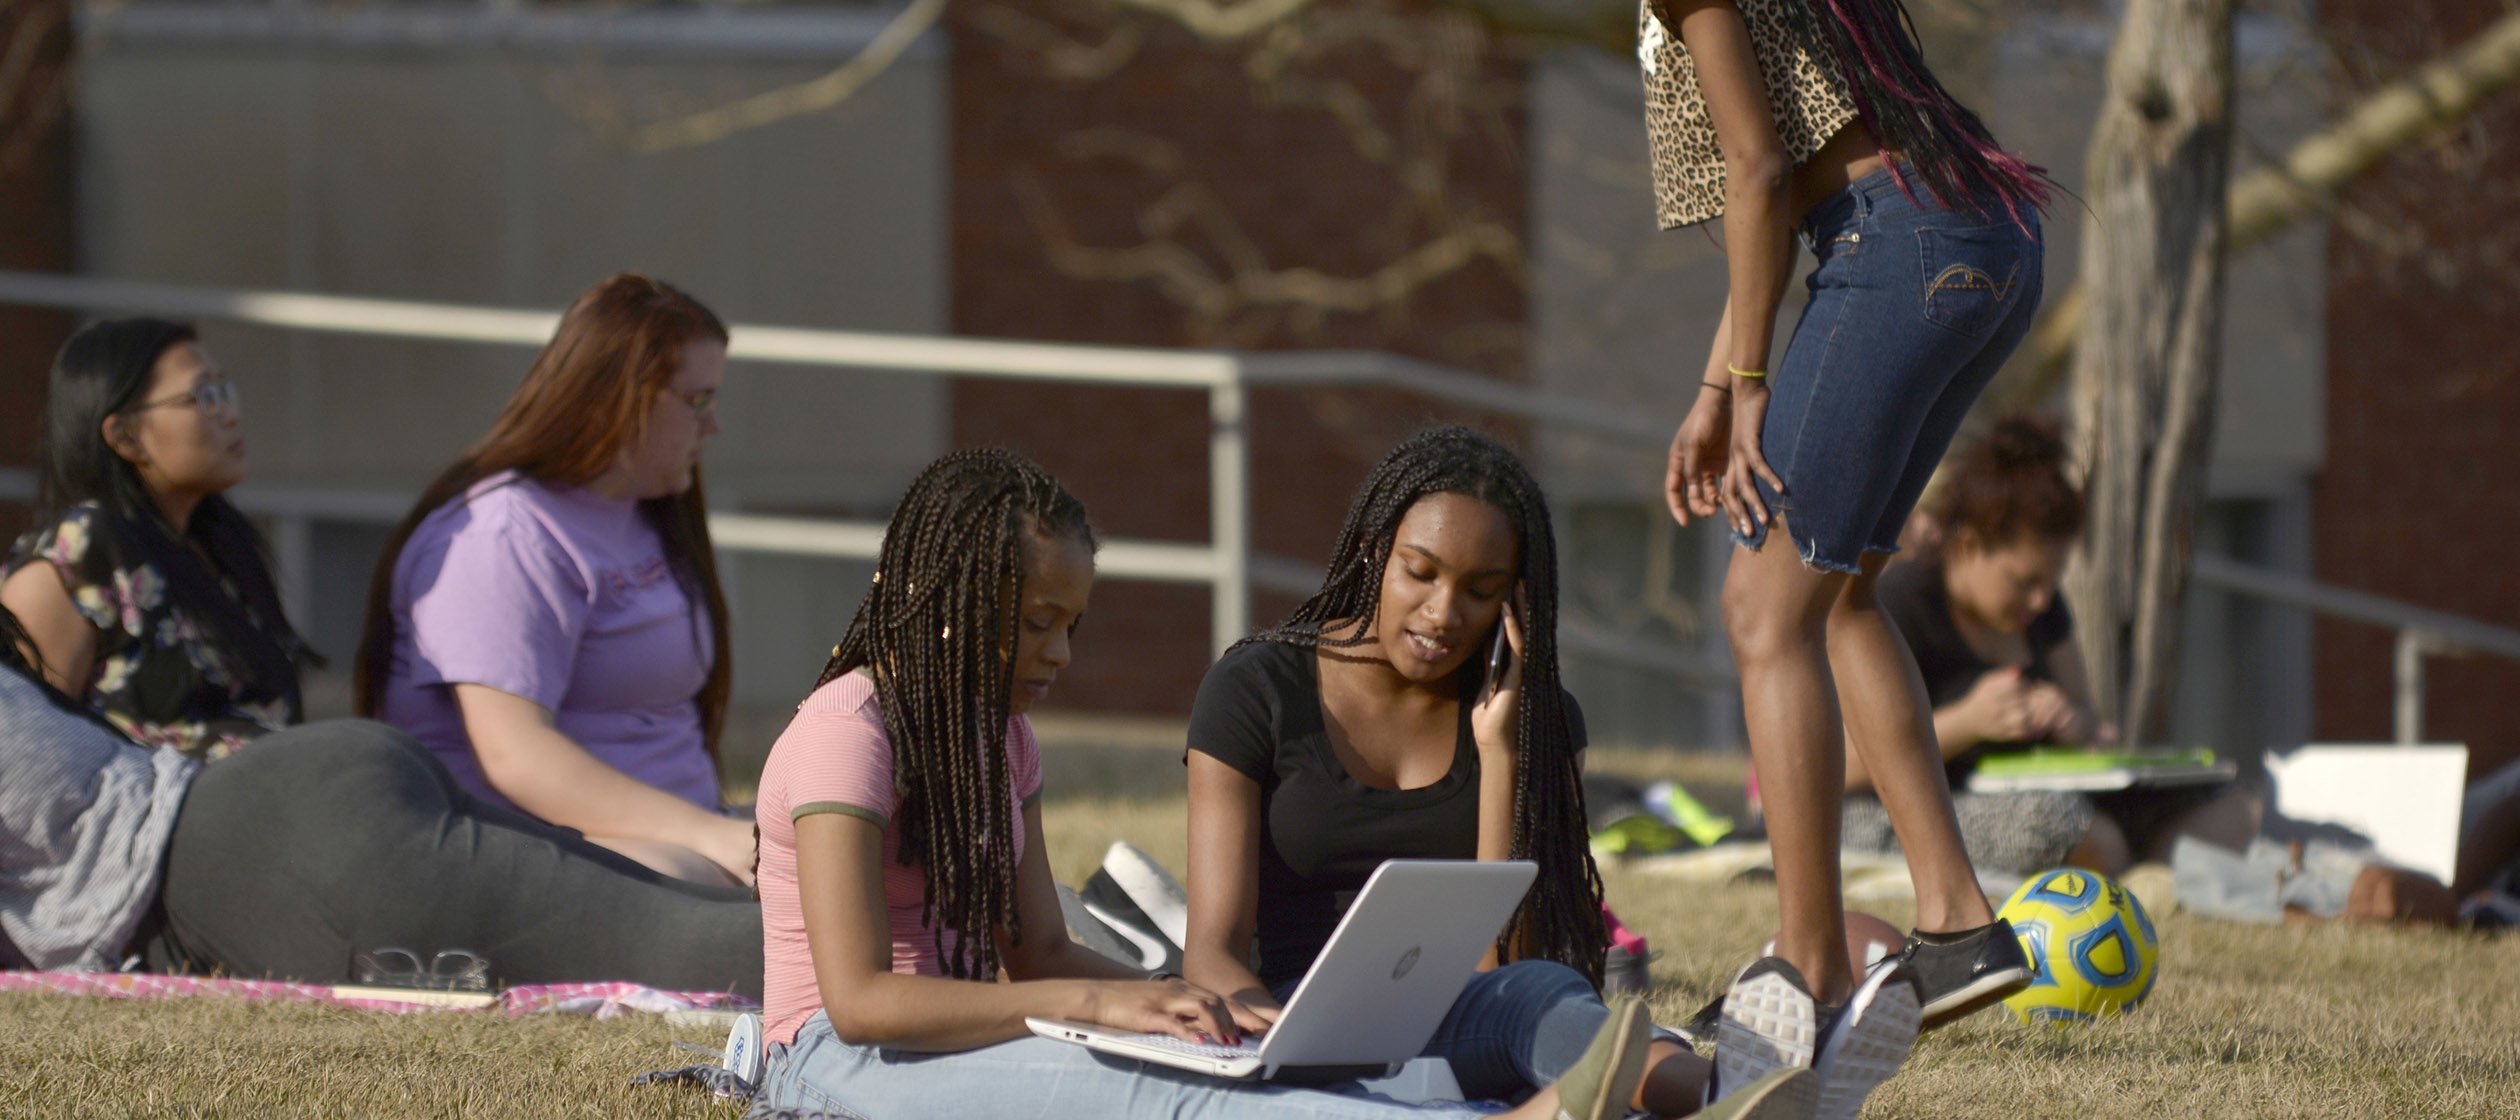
(2143, 378)
(35, 219)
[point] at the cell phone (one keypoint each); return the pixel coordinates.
(1498, 652)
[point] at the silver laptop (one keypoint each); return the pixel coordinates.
(1374, 996)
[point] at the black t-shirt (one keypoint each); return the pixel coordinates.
(1322, 832)
(1913, 594)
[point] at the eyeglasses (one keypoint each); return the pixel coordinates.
(214, 395)
(453, 970)
(703, 402)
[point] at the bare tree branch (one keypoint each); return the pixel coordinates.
(1061, 54)
(34, 86)
(784, 103)
(2435, 97)
(1244, 280)
(1222, 23)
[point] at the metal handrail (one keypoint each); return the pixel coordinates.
(502, 326)
(2421, 631)
(1226, 562)
(2443, 632)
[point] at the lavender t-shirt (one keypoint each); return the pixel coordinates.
(563, 598)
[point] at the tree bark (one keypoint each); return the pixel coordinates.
(2143, 378)
(36, 57)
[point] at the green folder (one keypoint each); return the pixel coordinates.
(2095, 770)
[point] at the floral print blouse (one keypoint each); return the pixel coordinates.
(154, 676)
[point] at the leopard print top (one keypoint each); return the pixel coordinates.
(1806, 93)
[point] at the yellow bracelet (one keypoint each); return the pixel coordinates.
(1752, 374)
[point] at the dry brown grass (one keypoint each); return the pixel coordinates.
(2249, 1021)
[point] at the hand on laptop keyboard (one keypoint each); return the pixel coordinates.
(1250, 1046)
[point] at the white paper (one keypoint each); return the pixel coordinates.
(2405, 798)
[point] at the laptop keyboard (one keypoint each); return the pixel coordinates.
(1249, 1048)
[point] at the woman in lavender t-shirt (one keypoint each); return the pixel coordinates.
(547, 619)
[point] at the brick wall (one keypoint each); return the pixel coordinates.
(1117, 180)
(2417, 499)
(34, 222)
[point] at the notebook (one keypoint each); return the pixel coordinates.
(2097, 770)
(1372, 999)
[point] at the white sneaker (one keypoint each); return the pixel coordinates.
(743, 1055)
(1767, 1023)
(1868, 1041)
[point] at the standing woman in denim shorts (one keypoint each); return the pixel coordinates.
(1818, 118)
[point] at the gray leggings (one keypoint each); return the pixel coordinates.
(318, 843)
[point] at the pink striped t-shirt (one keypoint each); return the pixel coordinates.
(834, 757)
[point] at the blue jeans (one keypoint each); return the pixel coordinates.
(1040, 1078)
(1514, 1028)
(1913, 309)
(1517, 1028)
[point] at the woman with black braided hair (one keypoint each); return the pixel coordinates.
(1819, 118)
(902, 868)
(1365, 728)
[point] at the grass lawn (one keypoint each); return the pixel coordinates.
(2248, 1021)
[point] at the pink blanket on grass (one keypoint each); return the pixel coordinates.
(599, 1000)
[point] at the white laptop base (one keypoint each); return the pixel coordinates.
(1372, 999)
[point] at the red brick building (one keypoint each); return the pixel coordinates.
(1297, 190)
(2416, 501)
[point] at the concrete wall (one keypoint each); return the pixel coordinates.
(260, 150)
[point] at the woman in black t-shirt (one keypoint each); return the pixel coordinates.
(1978, 606)
(1364, 728)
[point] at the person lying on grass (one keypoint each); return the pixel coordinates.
(325, 842)
(902, 868)
(1411, 709)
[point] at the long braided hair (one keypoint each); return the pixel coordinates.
(937, 633)
(1560, 919)
(1909, 112)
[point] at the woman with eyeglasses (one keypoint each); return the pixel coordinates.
(547, 618)
(144, 592)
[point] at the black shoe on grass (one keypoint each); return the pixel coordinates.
(1960, 973)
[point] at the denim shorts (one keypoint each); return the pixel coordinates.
(1913, 309)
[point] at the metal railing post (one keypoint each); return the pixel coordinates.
(2409, 721)
(1229, 512)
(293, 552)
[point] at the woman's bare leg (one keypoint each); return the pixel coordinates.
(1891, 725)
(1776, 612)
(1675, 1080)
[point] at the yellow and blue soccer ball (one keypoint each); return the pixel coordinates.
(2090, 943)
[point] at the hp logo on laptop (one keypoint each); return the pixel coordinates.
(1408, 960)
